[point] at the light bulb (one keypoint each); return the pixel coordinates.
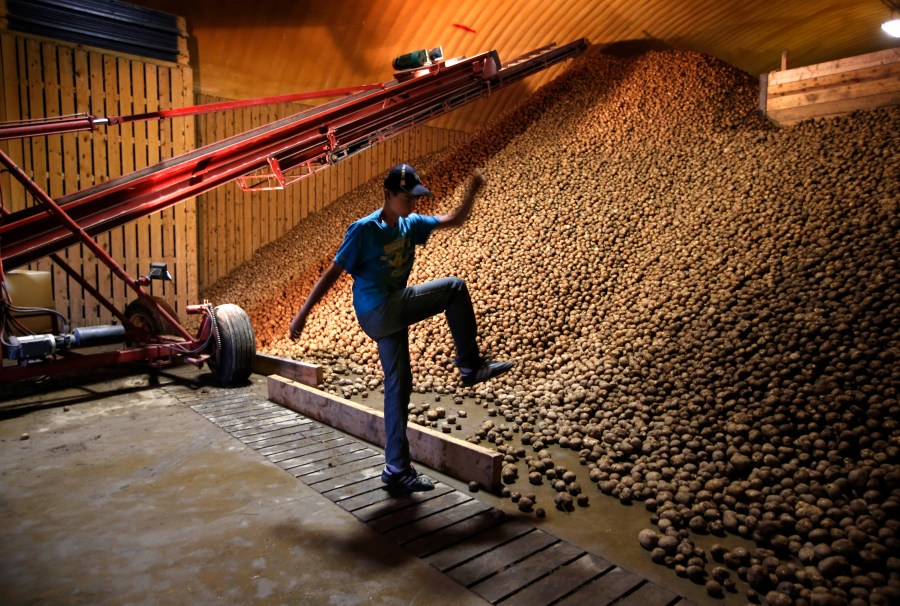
(892, 27)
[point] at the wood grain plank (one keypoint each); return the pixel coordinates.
(433, 524)
(313, 444)
(834, 108)
(301, 372)
(55, 161)
(456, 533)
(840, 79)
(114, 88)
(36, 147)
(67, 98)
(9, 106)
(246, 427)
(99, 168)
(239, 213)
(305, 463)
(130, 256)
(335, 472)
(604, 590)
(276, 436)
(350, 480)
(380, 503)
(522, 573)
(272, 444)
(154, 155)
(478, 544)
(860, 90)
(226, 228)
(347, 494)
(247, 208)
(414, 507)
(495, 560)
(560, 582)
(648, 594)
(370, 493)
(189, 292)
(141, 243)
(232, 419)
(167, 150)
(884, 57)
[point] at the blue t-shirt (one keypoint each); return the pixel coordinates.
(380, 257)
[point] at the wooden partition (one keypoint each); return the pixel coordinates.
(233, 223)
(833, 88)
(44, 78)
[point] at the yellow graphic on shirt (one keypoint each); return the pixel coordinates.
(397, 255)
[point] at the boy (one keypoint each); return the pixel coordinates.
(378, 251)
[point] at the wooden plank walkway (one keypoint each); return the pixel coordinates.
(500, 558)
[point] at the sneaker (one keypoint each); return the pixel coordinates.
(406, 481)
(487, 370)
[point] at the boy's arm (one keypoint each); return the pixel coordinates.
(324, 284)
(459, 216)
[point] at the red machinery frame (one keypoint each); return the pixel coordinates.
(308, 141)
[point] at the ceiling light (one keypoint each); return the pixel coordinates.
(892, 27)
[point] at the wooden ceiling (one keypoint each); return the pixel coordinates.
(243, 49)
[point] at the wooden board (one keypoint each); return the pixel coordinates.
(561, 581)
(512, 578)
(846, 92)
(606, 589)
(832, 89)
(460, 459)
(885, 57)
(301, 372)
(792, 115)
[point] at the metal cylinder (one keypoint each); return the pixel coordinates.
(98, 335)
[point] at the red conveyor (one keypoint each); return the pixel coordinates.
(316, 137)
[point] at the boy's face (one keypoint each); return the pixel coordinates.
(400, 203)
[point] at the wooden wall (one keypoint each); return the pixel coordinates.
(233, 223)
(834, 88)
(43, 78)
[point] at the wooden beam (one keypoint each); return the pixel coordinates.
(841, 107)
(877, 58)
(885, 87)
(455, 457)
(856, 76)
(308, 374)
(835, 88)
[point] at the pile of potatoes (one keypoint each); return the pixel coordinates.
(704, 306)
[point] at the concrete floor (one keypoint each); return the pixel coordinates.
(121, 495)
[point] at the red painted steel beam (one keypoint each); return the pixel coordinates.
(71, 124)
(72, 363)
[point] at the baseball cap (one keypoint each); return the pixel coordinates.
(404, 177)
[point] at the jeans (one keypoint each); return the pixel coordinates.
(389, 325)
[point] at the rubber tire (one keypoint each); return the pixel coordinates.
(235, 360)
